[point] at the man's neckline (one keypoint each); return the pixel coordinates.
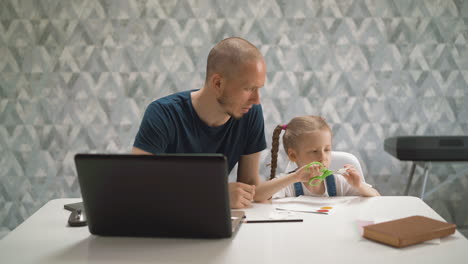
(198, 115)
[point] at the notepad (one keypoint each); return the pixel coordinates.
(408, 231)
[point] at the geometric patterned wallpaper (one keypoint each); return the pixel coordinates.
(76, 76)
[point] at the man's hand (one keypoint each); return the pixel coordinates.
(240, 194)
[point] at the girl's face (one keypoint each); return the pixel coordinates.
(312, 146)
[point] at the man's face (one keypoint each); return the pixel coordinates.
(241, 90)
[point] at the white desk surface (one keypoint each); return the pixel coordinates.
(45, 238)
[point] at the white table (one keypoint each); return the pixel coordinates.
(45, 238)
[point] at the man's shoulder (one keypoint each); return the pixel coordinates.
(179, 97)
(172, 99)
(257, 107)
(255, 112)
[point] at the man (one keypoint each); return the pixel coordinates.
(224, 116)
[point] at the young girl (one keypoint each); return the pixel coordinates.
(308, 139)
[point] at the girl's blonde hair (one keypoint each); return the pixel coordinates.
(293, 130)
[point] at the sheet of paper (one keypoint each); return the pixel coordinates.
(271, 214)
(310, 204)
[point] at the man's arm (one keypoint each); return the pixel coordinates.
(155, 130)
(138, 151)
(247, 170)
(242, 192)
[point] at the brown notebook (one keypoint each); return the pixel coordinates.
(408, 231)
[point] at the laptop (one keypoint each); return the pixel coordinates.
(167, 195)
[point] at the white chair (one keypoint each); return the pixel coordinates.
(340, 158)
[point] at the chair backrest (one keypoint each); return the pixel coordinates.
(340, 158)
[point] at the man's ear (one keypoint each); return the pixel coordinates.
(216, 82)
(292, 155)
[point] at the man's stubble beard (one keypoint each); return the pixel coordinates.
(223, 101)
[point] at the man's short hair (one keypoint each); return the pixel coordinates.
(229, 55)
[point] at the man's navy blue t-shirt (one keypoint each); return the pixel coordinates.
(171, 125)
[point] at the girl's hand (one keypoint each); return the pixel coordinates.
(352, 176)
(304, 175)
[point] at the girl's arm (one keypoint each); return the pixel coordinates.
(354, 179)
(265, 190)
(366, 190)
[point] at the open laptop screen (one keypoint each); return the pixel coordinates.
(171, 195)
